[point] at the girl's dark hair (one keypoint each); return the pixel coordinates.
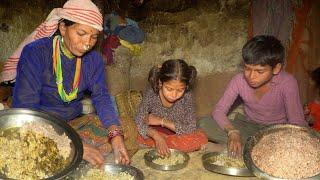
(263, 50)
(315, 76)
(172, 69)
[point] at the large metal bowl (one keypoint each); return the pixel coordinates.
(208, 160)
(12, 118)
(152, 155)
(253, 140)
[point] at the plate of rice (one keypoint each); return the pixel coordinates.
(175, 161)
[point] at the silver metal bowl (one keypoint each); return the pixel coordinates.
(208, 160)
(253, 140)
(152, 155)
(84, 167)
(117, 168)
(12, 118)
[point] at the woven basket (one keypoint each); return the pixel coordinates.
(127, 104)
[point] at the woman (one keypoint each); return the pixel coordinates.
(54, 71)
(166, 116)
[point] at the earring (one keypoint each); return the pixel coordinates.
(86, 47)
(61, 39)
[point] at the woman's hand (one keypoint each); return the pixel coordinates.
(92, 155)
(120, 152)
(161, 145)
(153, 120)
(234, 144)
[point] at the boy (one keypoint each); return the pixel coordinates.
(269, 95)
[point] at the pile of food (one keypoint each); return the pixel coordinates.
(30, 154)
(224, 160)
(98, 174)
(171, 160)
(288, 154)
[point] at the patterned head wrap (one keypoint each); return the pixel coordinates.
(78, 11)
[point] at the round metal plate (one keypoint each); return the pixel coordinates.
(152, 155)
(207, 161)
(11, 118)
(117, 168)
(84, 167)
(253, 140)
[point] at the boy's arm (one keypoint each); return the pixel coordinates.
(292, 102)
(222, 108)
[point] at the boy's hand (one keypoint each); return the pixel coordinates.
(234, 145)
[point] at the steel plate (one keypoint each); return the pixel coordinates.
(207, 161)
(84, 167)
(12, 118)
(152, 155)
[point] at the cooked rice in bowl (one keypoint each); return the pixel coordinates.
(170, 160)
(98, 174)
(226, 161)
(34, 151)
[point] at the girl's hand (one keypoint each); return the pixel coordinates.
(153, 120)
(120, 152)
(234, 145)
(161, 146)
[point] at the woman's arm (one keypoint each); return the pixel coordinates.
(99, 93)
(26, 93)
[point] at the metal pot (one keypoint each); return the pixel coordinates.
(11, 118)
(253, 140)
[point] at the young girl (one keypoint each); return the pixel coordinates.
(313, 108)
(166, 116)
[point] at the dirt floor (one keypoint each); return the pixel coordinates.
(193, 171)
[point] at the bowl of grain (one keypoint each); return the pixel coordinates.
(220, 162)
(284, 151)
(35, 145)
(107, 171)
(175, 161)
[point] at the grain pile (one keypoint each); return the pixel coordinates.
(224, 160)
(98, 174)
(288, 154)
(62, 141)
(171, 160)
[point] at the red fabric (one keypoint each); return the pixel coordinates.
(315, 113)
(186, 142)
(110, 43)
(163, 130)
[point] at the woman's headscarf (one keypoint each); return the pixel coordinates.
(79, 11)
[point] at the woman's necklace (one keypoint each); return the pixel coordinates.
(57, 67)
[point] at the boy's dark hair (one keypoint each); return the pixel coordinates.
(263, 50)
(173, 69)
(315, 76)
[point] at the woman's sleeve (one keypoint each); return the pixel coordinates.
(186, 117)
(99, 94)
(142, 112)
(26, 93)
